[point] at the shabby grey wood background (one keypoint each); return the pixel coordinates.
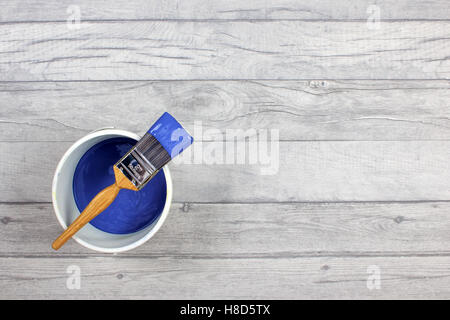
(363, 112)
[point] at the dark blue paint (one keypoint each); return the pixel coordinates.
(132, 210)
(171, 134)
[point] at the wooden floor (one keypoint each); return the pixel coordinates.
(363, 112)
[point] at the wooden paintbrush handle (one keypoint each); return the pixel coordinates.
(94, 208)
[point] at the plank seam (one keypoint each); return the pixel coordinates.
(263, 202)
(283, 141)
(231, 80)
(349, 255)
(221, 20)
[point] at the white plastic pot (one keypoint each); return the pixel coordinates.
(67, 211)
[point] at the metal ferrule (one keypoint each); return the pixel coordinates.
(143, 161)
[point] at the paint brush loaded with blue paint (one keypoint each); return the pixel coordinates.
(163, 141)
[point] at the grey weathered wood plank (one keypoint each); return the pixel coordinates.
(166, 278)
(237, 231)
(52, 10)
(304, 171)
(236, 240)
(301, 110)
(164, 50)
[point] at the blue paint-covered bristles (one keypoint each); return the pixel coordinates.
(172, 136)
(163, 141)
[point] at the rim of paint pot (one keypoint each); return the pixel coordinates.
(152, 230)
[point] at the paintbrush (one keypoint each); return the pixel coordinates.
(163, 141)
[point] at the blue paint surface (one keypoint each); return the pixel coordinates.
(131, 211)
(171, 134)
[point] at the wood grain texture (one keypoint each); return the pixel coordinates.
(167, 50)
(300, 110)
(363, 115)
(54, 10)
(238, 231)
(307, 171)
(167, 278)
